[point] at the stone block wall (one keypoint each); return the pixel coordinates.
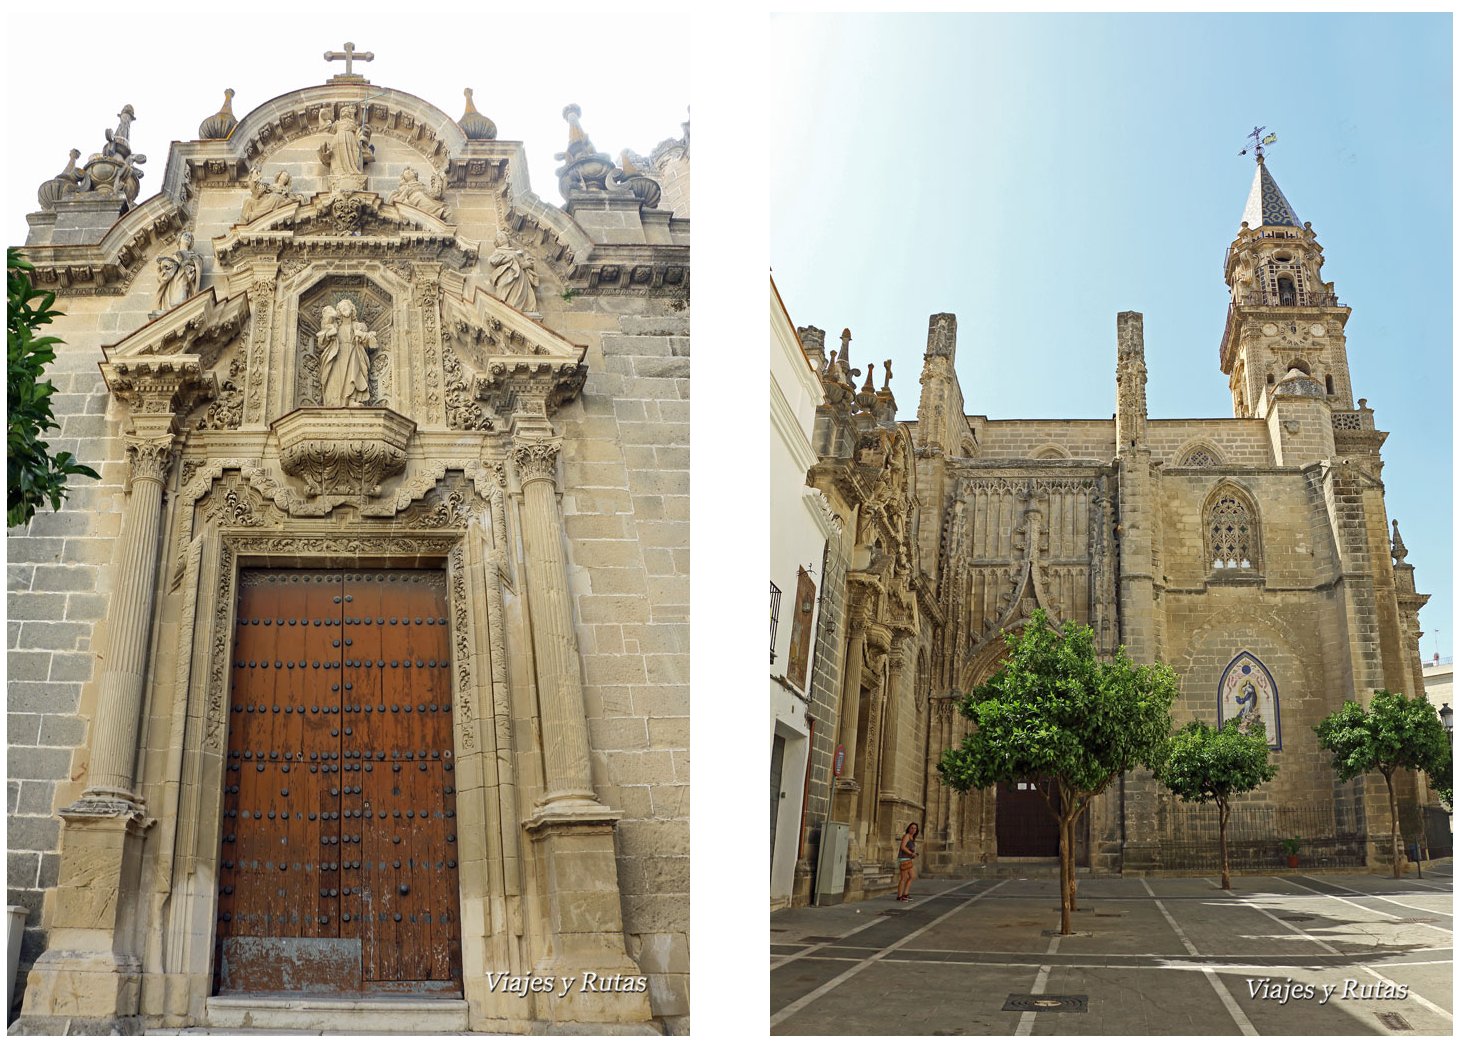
(825, 689)
(627, 515)
(59, 585)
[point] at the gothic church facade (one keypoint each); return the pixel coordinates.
(1252, 553)
(361, 674)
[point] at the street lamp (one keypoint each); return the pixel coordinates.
(1446, 714)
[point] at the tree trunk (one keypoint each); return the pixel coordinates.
(1063, 873)
(1224, 845)
(1072, 832)
(1397, 839)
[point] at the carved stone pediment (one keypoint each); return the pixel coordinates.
(514, 363)
(358, 224)
(345, 450)
(201, 327)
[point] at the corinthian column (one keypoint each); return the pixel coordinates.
(89, 980)
(573, 833)
(130, 615)
(556, 650)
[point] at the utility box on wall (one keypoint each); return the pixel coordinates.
(833, 860)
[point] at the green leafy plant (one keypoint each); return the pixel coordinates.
(35, 476)
(1393, 732)
(1441, 776)
(1055, 711)
(1291, 846)
(1203, 763)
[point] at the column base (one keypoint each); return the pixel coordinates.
(72, 993)
(599, 985)
(86, 982)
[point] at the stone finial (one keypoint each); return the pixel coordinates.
(1130, 334)
(941, 338)
(119, 141)
(62, 184)
(844, 339)
(474, 124)
(633, 176)
(584, 169)
(222, 123)
(1400, 551)
(889, 374)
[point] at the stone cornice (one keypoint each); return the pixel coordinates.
(108, 267)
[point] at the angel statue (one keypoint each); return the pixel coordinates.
(413, 193)
(343, 342)
(514, 278)
(178, 274)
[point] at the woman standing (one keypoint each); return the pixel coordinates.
(907, 862)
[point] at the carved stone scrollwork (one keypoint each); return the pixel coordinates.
(343, 451)
(535, 459)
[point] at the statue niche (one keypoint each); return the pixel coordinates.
(344, 342)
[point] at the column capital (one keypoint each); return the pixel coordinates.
(150, 458)
(535, 459)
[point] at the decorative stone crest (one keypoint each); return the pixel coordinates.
(343, 452)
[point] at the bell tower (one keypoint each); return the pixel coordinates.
(1284, 331)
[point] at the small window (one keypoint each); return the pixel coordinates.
(1199, 458)
(1329, 385)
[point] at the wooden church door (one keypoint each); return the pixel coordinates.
(338, 856)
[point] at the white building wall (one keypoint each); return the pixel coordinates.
(798, 536)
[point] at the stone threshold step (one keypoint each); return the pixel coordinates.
(337, 1014)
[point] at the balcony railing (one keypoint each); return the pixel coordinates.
(1299, 299)
(775, 596)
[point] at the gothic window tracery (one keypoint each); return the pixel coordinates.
(1200, 457)
(1231, 531)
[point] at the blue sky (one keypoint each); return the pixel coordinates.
(1037, 174)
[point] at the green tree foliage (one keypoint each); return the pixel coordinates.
(1203, 763)
(1441, 776)
(35, 475)
(1394, 732)
(1056, 713)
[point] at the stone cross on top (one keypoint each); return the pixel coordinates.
(348, 55)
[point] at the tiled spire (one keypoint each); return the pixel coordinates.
(1266, 205)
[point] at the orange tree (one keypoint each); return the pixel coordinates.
(1056, 711)
(34, 475)
(1393, 732)
(1203, 763)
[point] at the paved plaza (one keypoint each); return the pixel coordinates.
(1149, 956)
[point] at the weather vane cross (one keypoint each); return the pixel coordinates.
(1257, 143)
(349, 55)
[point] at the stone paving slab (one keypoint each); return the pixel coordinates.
(945, 964)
